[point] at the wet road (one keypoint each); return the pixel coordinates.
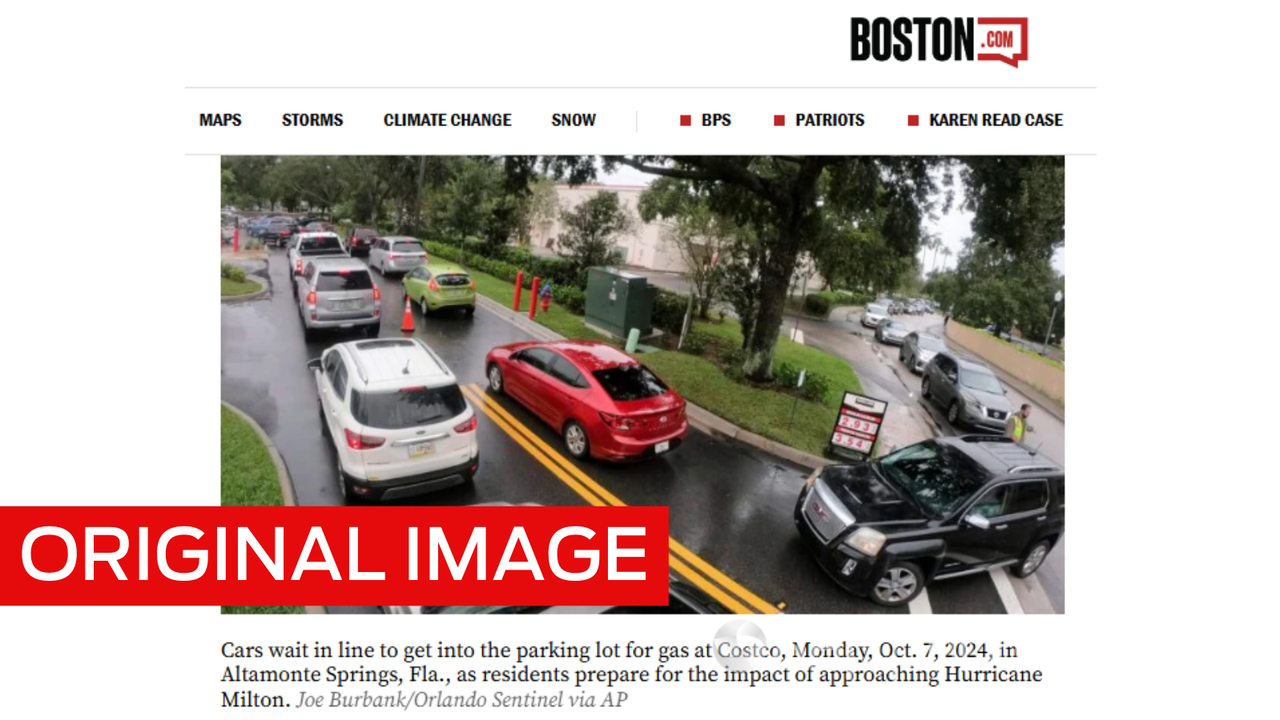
(730, 505)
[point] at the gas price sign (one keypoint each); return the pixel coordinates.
(857, 426)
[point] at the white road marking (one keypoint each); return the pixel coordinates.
(1005, 590)
(921, 606)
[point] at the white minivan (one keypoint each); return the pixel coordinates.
(400, 425)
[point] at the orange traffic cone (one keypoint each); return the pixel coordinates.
(407, 326)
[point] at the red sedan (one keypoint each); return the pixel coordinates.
(602, 401)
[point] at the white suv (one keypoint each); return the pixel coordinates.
(399, 424)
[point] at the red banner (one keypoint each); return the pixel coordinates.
(436, 556)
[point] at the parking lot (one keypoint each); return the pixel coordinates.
(730, 505)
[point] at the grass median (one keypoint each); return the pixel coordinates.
(761, 410)
(248, 479)
(231, 288)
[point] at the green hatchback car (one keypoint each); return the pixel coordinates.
(439, 284)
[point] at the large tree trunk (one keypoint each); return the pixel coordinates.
(775, 277)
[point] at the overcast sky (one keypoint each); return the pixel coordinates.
(952, 227)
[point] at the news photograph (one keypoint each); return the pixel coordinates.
(842, 377)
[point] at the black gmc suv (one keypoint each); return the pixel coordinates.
(938, 509)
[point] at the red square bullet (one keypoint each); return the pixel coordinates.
(686, 120)
(779, 120)
(913, 120)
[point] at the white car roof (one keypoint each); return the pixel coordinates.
(394, 363)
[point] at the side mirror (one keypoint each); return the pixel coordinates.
(977, 521)
(313, 364)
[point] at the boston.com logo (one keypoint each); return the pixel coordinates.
(922, 38)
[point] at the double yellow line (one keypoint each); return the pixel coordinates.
(682, 560)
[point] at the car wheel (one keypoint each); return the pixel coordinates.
(924, 387)
(372, 330)
(308, 335)
(324, 424)
(344, 487)
(902, 355)
(899, 585)
(575, 440)
(423, 307)
(953, 412)
(1032, 559)
(470, 310)
(495, 378)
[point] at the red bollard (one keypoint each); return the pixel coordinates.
(235, 240)
(533, 298)
(515, 304)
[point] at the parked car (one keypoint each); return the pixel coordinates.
(942, 508)
(603, 402)
(317, 226)
(278, 230)
(970, 392)
(891, 332)
(873, 314)
(258, 224)
(337, 293)
(396, 254)
(918, 349)
(308, 245)
(361, 240)
(440, 284)
(399, 424)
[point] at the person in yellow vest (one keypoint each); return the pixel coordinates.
(1016, 427)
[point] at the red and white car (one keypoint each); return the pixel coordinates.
(602, 401)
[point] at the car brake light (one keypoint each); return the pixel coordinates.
(298, 267)
(311, 298)
(356, 441)
(616, 422)
(433, 285)
(344, 273)
(415, 388)
(467, 426)
(392, 258)
(377, 294)
(472, 284)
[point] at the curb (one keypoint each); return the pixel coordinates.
(698, 417)
(260, 292)
(282, 474)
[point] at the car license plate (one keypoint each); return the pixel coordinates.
(346, 304)
(421, 449)
(662, 447)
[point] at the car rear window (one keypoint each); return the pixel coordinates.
(406, 247)
(630, 382)
(344, 280)
(876, 310)
(311, 246)
(366, 232)
(407, 407)
(453, 280)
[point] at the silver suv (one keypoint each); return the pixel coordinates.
(338, 293)
(970, 392)
(397, 254)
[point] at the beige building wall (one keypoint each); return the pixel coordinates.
(1029, 369)
(642, 248)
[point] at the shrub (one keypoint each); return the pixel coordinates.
(696, 342)
(818, 303)
(669, 309)
(570, 298)
(786, 375)
(815, 388)
(234, 273)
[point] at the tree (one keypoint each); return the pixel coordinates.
(702, 239)
(993, 285)
(591, 229)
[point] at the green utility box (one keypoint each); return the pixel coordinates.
(618, 300)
